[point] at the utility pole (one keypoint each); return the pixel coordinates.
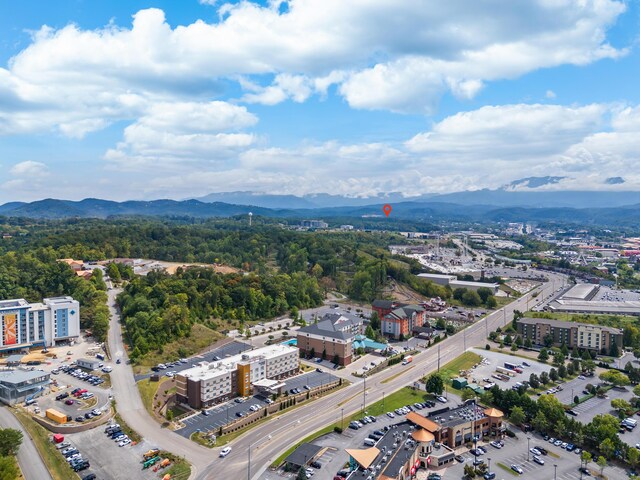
(438, 357)
(364, 394)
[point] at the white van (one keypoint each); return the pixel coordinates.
(369, 442)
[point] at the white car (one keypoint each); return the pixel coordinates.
(390, 415)
(225, 451)
(124, 442)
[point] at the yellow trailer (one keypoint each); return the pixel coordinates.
(56, 416)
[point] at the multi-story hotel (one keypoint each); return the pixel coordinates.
(27, 324)
(331, 337)
(572, 334)
(213, 382)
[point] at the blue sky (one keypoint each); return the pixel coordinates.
(308, 96)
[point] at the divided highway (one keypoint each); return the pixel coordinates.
(270, 439)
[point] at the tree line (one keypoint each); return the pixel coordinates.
(161, 308)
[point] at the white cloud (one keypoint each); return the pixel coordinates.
(29, 168)
(382, 55)
(550, 94)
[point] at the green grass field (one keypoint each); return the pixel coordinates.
(608, 320)
(148, 390)
(463, 362)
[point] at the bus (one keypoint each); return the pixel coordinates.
(510, 366)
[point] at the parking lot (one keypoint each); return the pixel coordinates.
(107, 459)
(233, 348)
(515, 452)
(225, 413)
(497, 359)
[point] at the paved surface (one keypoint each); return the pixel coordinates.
(224, 351)
(495, 359)
(305, 420)
(277, 435)
(107, 459)
(515, 452)
(226, 413)
(29, 459)
(130, 407)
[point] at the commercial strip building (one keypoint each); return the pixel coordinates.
(18, 385)
(572, 334)
(209, 383)
(579, 299)
(455, 426)
(331, 337)
(44, 324)
(453, 282)
(88, 363)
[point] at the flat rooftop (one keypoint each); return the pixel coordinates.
(15, 303)
(580, 291)
(206, 369)
(19, 376)
(629, 307)
(563, 324)
(456, 416)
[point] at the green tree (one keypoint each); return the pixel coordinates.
(574, 353)
(469, 471)
(467, 394)
(602, 463)
(547, 340)
(491, 302)
(10, 441)
(613, 350)
(633, 457)
(540, 422)
(369, 332)
(636, 390)
(621, 406)
(562, 371)
(471, 299)
(514, 347)
(564, 349)
(614, 377)
(534, 381)
(517, 416)
(558, 359)
(553, 375)
(528, 343)
(585, 458)
(114, 273)
(543, 356)
(375, 321)
(435, 384)
(544, 378)
(484, 293)
(8, 469)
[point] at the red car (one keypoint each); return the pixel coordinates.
(69, 402)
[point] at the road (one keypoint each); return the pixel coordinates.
(265, 442)
(130, 406)
(33, 468)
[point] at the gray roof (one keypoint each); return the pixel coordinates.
(326, 328)
(563, 324)
(88, 360)
(580, 291)
(19, 376)
(627, 307)
(14, 358)
(405, 311)
(303, 454)
(385, 304)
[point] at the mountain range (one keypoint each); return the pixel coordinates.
(427, 211)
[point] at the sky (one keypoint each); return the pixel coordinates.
(136, 99)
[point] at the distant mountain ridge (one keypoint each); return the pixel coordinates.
(431, 211)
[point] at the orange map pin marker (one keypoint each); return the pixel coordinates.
(387, 209)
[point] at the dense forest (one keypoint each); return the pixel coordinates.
(160, 308)
(283, 269)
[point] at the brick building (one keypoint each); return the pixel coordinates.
(580, 335)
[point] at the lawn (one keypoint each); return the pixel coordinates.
(180, 469)
(130, 432)
(55, 462)
(148, 390)
(463, 362)
(618, 321)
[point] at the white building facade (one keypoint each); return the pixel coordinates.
(44, 324)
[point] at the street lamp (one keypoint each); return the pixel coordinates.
(489, 469)
(364, 393)
(555, 469)
(249, 464)
(528, 438)
(342, 418)
(383, 401)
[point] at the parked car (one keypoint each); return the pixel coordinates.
(517, 469)
(538, 460)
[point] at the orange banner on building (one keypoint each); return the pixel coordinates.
(10, 329)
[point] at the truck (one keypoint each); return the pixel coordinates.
(408, 359)
(100, 356)
(56, 416)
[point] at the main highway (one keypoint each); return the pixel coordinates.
(267, 441)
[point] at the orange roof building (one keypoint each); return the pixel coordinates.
(364, 457)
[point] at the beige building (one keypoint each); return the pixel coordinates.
(213, 382)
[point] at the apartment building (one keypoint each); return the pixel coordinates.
(44, 324)
(581, 335)
(401, 321)
(209, 383)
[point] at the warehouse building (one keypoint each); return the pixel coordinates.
(17, 385)
(453, 282)
(599, 338)
(209, 383)
(44, 324)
